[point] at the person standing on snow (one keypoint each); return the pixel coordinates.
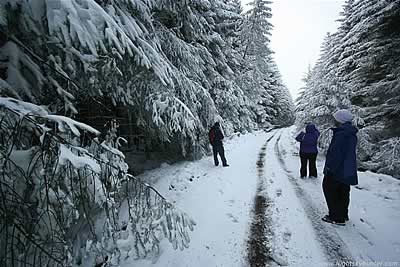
(308, 150)
(340, 168)
(215, 136)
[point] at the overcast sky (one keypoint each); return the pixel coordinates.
(299, 29)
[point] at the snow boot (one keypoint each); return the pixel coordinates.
(226, 165)
(328, 219)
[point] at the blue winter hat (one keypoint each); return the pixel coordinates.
(343, 116)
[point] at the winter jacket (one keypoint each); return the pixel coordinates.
(217, 136)
(309, 139)
(341, 163)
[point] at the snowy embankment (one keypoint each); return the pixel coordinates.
(220, 201)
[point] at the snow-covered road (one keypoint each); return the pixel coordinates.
(262, 188)
(219, 199)
(371, 236)
(300, 236)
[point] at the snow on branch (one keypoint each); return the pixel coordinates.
(96, 28)
(389, 156)
(26, 108)
(21, 107)
(171, 114)
(15, 61)
(67, 204)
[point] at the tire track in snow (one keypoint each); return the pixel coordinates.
(258, 245)
(334, 248)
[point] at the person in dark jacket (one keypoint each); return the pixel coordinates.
(340, 171)
(308, 150)
(216, 136)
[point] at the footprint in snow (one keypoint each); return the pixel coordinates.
(363, 211)
(287, 235)
(385, 197)
(183, 188)
(233, 218)
(360, 187)
(278, 192)
(366, 239)
(279, 258)
(368, 223)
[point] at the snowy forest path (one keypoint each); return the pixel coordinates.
(334, 248)
(257, 213)
(220, 200)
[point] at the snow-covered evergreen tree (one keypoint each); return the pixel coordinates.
(176, 65)
(58, 177)
(260, 77)
(357, 70)
(257, 29)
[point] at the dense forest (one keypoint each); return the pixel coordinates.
(167, 69)
(359, 69)
(86, 83)
(81, 78)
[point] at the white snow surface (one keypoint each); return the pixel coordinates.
(22, 107)
(218, 199)
(221, 200)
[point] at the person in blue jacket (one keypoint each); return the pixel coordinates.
(308, 150)
(340, 171)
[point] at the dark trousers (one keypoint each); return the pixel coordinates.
(337, 196)
(219, 149)
(309, 158)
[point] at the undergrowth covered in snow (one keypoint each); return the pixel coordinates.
(62, 188)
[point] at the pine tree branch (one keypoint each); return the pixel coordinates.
(38, 58)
